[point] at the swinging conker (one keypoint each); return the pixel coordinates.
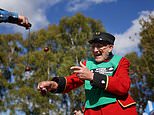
(46, 49)
(28, 68)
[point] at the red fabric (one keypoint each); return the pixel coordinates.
(72, 82)
(111, 109)
(118, 85)
(126, 101)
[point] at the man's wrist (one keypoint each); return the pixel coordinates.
(61, 82)
(99, 80)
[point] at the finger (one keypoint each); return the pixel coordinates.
(38, 87)
(26, 21)
(43, 92)
(78, 71)
(82, 65)
(42, 84)
(44, 89)
(75, 68)
(24, 25)
(23, 20)
(29, 24)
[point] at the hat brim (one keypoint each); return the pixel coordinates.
(98, 41)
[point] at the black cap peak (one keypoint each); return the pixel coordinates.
(99, 37)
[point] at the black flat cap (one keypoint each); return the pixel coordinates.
(102, 37)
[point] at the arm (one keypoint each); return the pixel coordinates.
(60, 84)
(68, 83)
(12, 17)
(64, 84)
(6, 16)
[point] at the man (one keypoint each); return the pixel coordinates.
(105, 77)
(11, 17)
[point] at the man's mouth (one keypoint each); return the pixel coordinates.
(97, 54)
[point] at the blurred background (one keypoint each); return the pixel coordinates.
(58, 39)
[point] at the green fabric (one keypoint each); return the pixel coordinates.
(96, 96)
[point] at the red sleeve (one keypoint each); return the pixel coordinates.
(119, 83)
(73, 82)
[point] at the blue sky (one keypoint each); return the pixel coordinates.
(119, 17)
(116, 15)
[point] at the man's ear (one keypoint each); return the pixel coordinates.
(110, 48)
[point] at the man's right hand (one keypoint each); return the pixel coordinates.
(23, 21)
(47, 86)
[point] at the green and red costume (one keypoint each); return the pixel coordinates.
(107, 94)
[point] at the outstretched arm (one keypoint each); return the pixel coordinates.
(12, 17)
(67, 83)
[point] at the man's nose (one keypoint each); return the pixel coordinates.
(95, 49)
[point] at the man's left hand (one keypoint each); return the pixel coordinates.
(82, 72)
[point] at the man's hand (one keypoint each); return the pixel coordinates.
(23, 21)
(83, 72)
(47, 86)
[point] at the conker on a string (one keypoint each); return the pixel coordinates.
(46, 49)
(28, 68)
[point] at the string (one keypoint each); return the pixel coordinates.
(28, 47)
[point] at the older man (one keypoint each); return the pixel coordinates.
(105, 77)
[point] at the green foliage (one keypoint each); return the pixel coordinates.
(142, 67)
(66, 44)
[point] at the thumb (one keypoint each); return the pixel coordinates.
(82, 65)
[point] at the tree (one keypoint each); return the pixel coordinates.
(43, 55)
(9, 52)
(142, 66)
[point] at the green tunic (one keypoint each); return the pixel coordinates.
(97, 96)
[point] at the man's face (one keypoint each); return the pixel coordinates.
(101, 51)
